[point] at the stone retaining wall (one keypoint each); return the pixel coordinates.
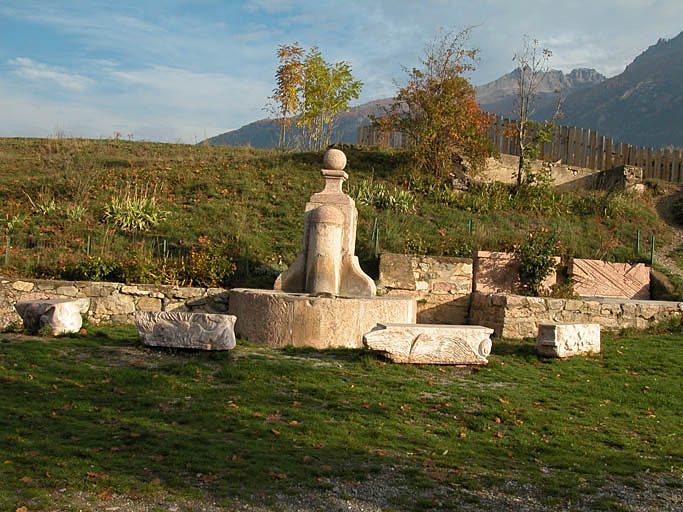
(110, 302)
(441, 285)
(515, 316)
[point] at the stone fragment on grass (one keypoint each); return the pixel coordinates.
(431, 344)
(60, 315)
(566, 340)
(177, 329)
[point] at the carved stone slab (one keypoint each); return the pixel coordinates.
(566, 340)
(431, 344)
(596, 278)
(175, 329)
(61, 315)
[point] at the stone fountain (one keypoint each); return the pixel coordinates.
(324, 299)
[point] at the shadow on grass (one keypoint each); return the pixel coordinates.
(520, 348)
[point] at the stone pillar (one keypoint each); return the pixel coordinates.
(324, 261)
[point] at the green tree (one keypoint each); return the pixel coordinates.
(327, 91)
(286, 95)
(438, 111)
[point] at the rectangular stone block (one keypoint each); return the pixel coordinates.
(596, 278)
(186, 330)
(498, 272)
(566, 340)
(431, 344)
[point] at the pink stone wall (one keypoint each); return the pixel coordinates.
(596, 278)
(498, 272)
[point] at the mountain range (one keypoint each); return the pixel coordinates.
(641, 106)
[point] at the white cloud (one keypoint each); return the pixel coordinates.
(36, 71)
(154, 103)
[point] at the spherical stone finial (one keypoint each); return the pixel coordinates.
(334, 160)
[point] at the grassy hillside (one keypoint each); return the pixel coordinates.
(235, 215)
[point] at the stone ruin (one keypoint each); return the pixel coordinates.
(326, 300)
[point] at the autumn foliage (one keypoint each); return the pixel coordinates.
(438, 111)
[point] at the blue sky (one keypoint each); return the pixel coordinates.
(180, 71)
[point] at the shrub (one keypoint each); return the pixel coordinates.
(93, 269)
(134, 211)
(536, 259)
(379, 196)
(208, 263)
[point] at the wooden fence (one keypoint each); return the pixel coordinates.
(570, 145)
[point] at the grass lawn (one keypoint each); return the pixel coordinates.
(102, 416)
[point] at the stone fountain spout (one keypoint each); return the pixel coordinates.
(327, 264)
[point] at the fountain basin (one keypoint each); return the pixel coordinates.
(277, 318)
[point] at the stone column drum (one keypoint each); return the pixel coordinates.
(324, 260)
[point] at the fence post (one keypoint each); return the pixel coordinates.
(638, 243)
(652, 250)
(87, 247)
(676, 165)
(7, 246)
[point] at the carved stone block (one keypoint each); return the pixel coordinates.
(61, 315)
(431, 344)
(176, 329)
(566, 340)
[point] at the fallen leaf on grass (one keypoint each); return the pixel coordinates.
(277, 476)
(498, 435)
(26, 479)
(325, 468)
(275, 432)
(21, 509)
(156, 458)
(463, 434)
(93, 477)
(105, 495)
(437, 476)
(156, 481)
(318, 445)
(237, 458)
(296, 404)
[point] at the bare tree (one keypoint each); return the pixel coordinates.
(533, 66)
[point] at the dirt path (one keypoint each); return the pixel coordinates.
(664, 209)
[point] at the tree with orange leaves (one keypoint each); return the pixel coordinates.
(438, 111)
(290, 80)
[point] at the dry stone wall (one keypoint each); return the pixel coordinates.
(110, 302)
(441, 285)
(515, 316)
